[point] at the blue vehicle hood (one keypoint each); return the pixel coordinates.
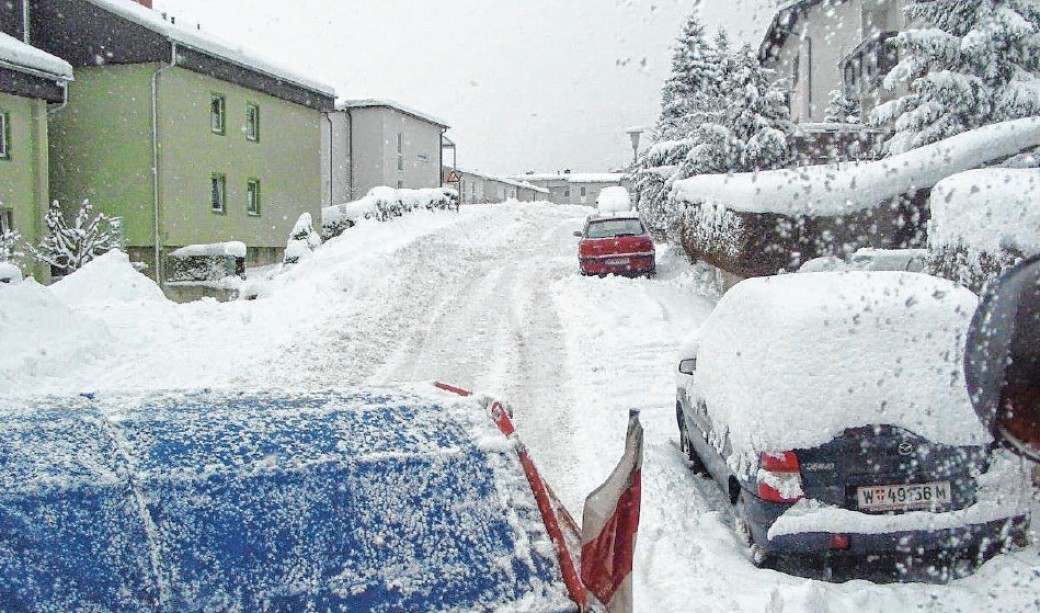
(357, 499)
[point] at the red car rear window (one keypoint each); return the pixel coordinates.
(610, 228)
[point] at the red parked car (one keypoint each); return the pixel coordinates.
(617, 244)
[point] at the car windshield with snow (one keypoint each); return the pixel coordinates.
(831, 410)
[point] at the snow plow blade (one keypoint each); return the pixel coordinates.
(358, 499)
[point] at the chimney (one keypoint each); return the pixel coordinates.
(147, 3)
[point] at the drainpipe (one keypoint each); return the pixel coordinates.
(155, 159)
(328, 118)
(25, 22)
(350, 152)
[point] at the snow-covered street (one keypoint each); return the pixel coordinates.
(488, 299)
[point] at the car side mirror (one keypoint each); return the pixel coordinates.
(577, 233)
(1002, 358)
(688, 366)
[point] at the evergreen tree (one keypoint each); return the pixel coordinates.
(973, 62)
(692, 86)
(9, 245)
(68, 247)
(753, 129)
(841, 109)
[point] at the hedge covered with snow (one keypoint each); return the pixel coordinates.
(383, 204)
(983, 222)
(758, 223)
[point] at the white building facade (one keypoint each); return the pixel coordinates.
(573, 187)
(369, 143)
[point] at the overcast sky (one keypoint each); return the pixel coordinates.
(525, 84)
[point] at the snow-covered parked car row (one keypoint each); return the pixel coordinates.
(831, 410)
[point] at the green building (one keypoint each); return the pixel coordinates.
(30, 80)
(184, 138)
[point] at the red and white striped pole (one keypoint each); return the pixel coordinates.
(609, 525)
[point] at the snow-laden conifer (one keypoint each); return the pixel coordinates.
(842, 109)
(968, 63)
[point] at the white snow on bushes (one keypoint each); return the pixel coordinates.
(839, 189)
(842, 349)
(987, 210)
(385, 202)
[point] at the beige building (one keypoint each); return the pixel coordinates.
(573, 187)
(369, 143)
(818, 46)
(479, 188)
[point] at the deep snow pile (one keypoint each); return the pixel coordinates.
(850, 349)
(108, 278)
(983, 221)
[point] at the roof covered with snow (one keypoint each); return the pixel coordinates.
(574, 177)
(368, 103)
(839, 189)
(209, 44)
(26, 58)
(507, 181)
(988, 210)
(791, 361)
(360, 498)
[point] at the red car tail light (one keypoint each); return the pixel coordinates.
(839, 541)
(779, 477)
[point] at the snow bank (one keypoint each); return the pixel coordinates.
(382, 203)
(613, 199)
(9, 273)
(108, 278)
(236, 249)
(791, 361)
(983, 222)
(43, 339)
(15, 52)
(840, 189)
(987, 210)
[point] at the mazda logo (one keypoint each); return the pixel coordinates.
(905, 448)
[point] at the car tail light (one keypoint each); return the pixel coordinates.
(839, 541)
(779, 477)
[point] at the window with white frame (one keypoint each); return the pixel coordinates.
(6, 220)
(253, 197)
(218, 192)
(400, 151)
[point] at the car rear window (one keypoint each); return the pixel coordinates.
(609, 228)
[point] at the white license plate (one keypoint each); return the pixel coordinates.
(903, 497)
(617, 261)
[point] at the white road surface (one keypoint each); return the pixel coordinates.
(487, 299)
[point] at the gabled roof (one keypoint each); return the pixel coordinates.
(16, 55)
(368, 103)
(782, 25)
(208, 44)
(513, 182)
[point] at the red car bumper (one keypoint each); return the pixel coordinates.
(619, 264)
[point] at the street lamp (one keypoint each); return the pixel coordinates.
(634, 133)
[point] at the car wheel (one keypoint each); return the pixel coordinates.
(756, 554)
(693, 460)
